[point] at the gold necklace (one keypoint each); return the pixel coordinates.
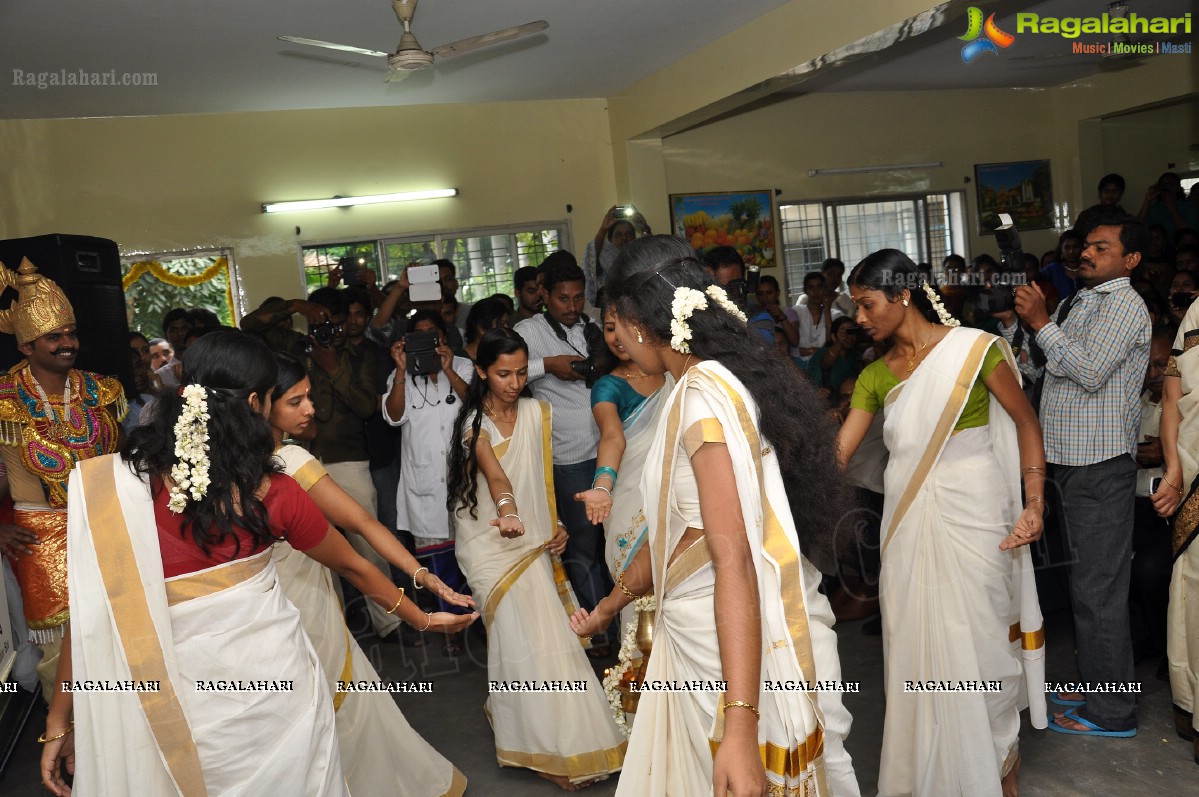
(912, 361)
(633, 376)
(487, 409)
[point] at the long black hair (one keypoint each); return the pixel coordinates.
(485, 314)
(892, 272)
(231, 366)
(463, 466)
(791, 415)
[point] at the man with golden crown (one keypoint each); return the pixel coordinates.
(52, 415)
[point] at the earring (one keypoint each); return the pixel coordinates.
(905, 302)
(639, 338)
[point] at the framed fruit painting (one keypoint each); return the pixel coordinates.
(743, 220)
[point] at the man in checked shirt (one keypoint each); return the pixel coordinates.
(1097, 350)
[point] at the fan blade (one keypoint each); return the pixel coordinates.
(495, 37)
(397, 75)
(345, 48)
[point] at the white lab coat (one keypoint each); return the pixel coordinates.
(428, 423)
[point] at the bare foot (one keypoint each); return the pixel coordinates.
(563, 782)
(1009, 785)
(1060, 719)
(1075, 696)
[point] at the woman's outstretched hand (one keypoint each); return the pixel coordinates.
(585, 623)
(439, 588)
(1028, 529)
(597, 502)
(447, 623)
(510, 526)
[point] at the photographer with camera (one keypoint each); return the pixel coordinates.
(422, 397)
(345, 396)
(621, 224)
(563, 343)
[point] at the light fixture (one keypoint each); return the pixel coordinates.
(349, 201)
(864, 169)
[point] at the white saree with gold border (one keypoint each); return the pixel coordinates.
(1182, 617)
(526, 601)
(381, 755)
(229, 624)
(955, 608)
(676, 734)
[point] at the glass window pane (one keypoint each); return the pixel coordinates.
(320, 258)
(804, 248)
(149, 298)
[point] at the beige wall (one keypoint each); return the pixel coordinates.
(774, 146)
(179, 182)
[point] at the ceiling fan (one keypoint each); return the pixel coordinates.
(410, 57)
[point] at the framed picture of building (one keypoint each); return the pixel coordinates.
(743, 220)
(1023, 189)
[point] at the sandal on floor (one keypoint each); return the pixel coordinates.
(1092, 728)
(1056, 698)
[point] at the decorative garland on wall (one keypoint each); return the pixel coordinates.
(159, 272)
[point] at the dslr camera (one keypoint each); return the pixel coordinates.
(1002, 298)
(324, 335)
(421, 348)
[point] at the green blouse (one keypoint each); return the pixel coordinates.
(876, 380)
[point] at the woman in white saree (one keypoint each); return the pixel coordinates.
(1180, 448)
(626, 404)
(546, 706)
(963, 644)
(742, 639)
(381, 755)
(208, 683)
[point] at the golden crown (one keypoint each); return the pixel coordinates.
(41, 305)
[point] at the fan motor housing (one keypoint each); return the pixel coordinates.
(410, 60)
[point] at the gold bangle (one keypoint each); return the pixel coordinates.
(44, 738)
(417, 573)
(742, 704)
(430, 616)
(392, 610)
(1172, 484)
(1030, 470)
(623, 588)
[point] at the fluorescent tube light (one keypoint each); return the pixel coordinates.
(349, 201)
(864, 169)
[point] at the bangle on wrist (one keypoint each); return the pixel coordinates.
(604, 470)
(44, 738)
(602, 487)
(742, 704)
(417, 573)
(392, 610)
(620, 583)
(429, 622)
(1172, 484)
(513, 514)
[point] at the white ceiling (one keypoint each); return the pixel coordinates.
(215, 56)
(222, 55)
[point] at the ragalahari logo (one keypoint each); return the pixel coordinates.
(993, 37)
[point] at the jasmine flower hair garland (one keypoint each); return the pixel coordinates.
(686, 302)
(190, 473)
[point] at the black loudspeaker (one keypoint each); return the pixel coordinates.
(89, 272)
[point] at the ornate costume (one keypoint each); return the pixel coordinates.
(42, 437)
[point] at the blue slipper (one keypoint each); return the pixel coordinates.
(1055, 697)
(1094, 730)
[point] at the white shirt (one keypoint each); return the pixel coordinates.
(1151, 421)
(428, 423)
(575, 435)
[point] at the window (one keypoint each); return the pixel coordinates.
(156, 282)
(927, 228)
(485, 259)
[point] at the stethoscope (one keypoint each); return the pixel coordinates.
(449, 399)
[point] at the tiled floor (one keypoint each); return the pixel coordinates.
(1154, 763)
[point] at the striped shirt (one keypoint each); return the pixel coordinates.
(575, 435)
(1095, 371)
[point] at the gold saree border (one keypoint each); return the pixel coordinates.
(457, 784)
(347, 673)
(135, 627)
(505, 583)
(1029, 640)
(216, 579)
(580, 766)
(547, 461)
(688, 563)
(941, 432)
